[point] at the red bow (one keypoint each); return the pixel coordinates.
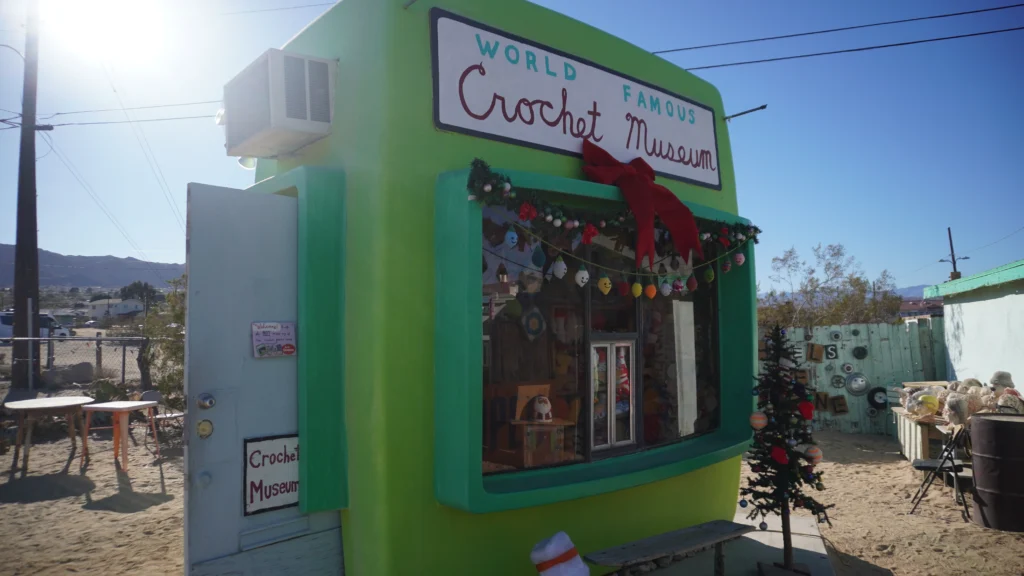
(636, 181)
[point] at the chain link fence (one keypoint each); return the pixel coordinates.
(76, 360)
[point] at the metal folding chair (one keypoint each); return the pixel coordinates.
(946, 463)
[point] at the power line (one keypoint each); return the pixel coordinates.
(15, 50)
(147, 152)
(206, 116)
(862, 49)
(131, 108)
(275, 9)
(96, 199)
(831, 30)
(995, 242)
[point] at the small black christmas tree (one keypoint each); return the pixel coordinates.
(783, 454)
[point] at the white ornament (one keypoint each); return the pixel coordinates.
(487, 187)
(559, 268)
(557, 223)
(582, 277)
(547, 218)
(507, 187)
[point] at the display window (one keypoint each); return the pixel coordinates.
(577, 367)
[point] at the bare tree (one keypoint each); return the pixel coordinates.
(831, 290)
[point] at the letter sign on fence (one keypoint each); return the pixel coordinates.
(271, 478)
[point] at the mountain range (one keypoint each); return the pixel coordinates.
(98, 271)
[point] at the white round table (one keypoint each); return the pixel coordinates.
(28, 410)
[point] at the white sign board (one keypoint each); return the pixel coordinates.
(271, 479)
(495, 85)
(271, 339)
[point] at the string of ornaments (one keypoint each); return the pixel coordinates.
(548, 222)
(783, 455)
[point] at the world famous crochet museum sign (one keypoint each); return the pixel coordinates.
(495, 85)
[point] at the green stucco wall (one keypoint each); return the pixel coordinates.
(391, 154)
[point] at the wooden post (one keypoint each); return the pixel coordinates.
(99, 357)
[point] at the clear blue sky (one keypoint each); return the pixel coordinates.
(879, 151)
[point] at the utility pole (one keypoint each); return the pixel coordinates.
(26, 250)
(952, 256)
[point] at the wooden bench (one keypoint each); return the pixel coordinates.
(687, 541)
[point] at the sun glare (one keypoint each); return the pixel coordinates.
(124, 32)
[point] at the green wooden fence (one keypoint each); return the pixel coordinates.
(896, 353)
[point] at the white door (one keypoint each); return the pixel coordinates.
(241, 501)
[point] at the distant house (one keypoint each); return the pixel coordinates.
(921, 307)
(114, 307)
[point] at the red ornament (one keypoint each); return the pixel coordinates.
(636, 181)
(623, 287)
(527, 212)
(723, 237)
(779, 455)
(589, 233)
(691, 283)
(806, 409)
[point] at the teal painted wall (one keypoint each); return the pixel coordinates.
(897, 353)
(384, 140)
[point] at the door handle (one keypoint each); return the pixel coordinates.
(206, 401)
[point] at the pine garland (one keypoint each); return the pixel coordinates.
(548, 218)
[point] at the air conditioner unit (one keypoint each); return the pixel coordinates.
(278, 104)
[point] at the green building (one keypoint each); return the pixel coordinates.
(474, 377)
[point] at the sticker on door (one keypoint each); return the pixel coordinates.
(271, 479)
(272, 339)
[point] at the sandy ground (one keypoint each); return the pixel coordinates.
(871, 486)
(59, 519)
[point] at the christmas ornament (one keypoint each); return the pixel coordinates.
(763, 525)
(743, 503)
(538, 257)
(637, 289)
(589, 233)
(582, 277)
(726, 266)
(819, 486)
(666, 288)
(507, 187)
(559, 268)
(678, 286)
(758, 420)
(568, 225)
(813, 454)
(487, 188)
(511, 238)
(691, 283)
(557, 223)
(709, 275)
(651, 290)
(779, 455)
(806, 409)
(739, 258)
(791, 442)
(604, 284)
(623, 287)
(547, 218)
(527, 212)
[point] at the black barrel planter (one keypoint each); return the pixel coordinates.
(997, 443)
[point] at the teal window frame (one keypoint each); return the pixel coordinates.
(458, 369)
